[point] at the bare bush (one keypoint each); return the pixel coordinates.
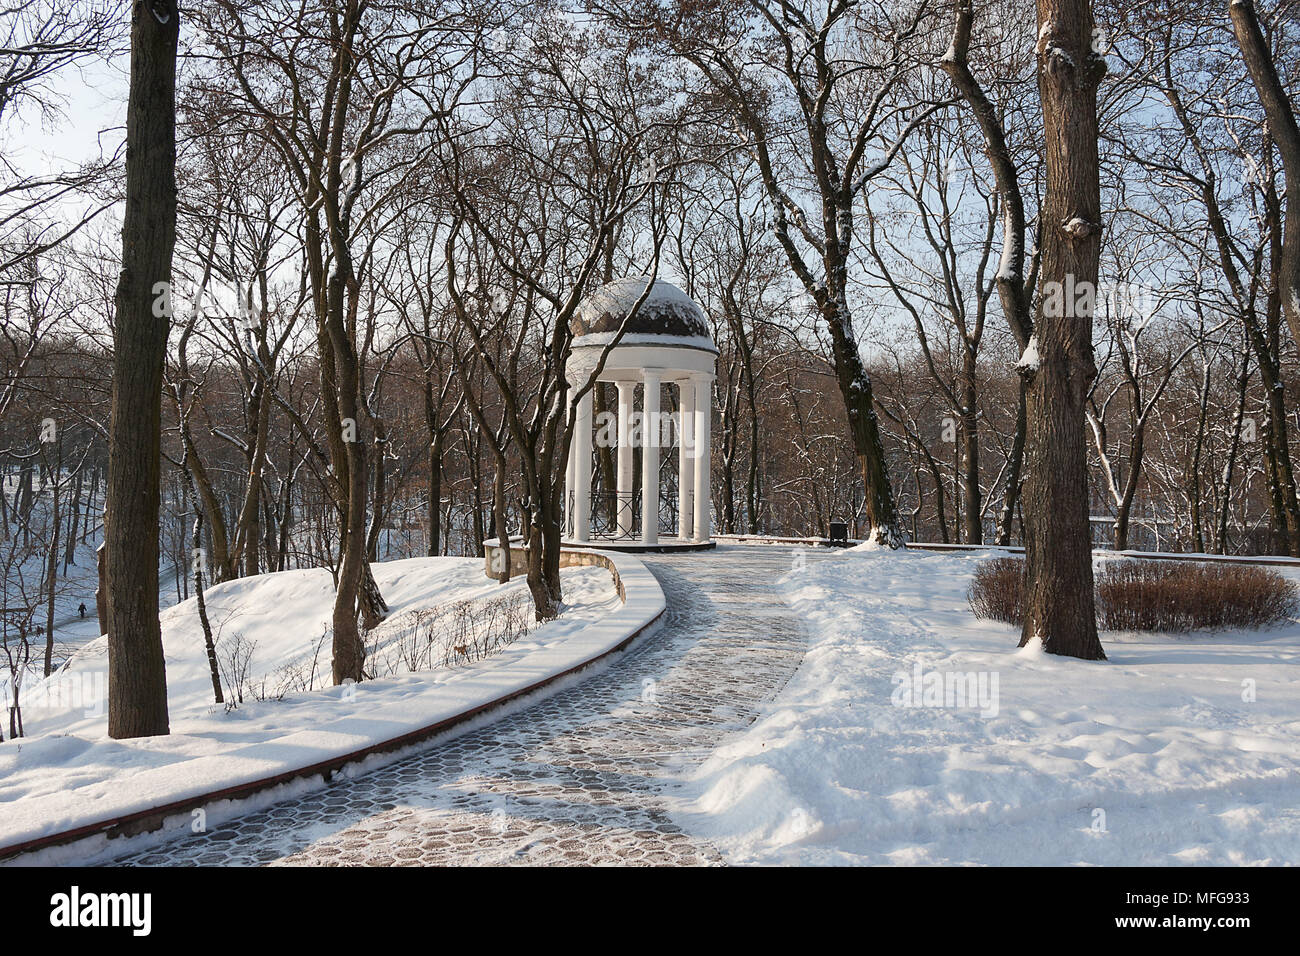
(235, 660)
(458, 633)
(1142, 595)
(300, 675)
(1191, 596)
(997, 592)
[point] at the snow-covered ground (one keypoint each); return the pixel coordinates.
(282, 617)
(23, 586)
(915, 734)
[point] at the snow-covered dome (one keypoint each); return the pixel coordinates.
(667, 311)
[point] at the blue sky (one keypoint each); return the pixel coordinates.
(92, 123)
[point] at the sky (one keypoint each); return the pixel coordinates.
(92, 125)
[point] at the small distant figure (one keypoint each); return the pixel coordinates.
(82, 609)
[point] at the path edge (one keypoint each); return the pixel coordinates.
(643, 602)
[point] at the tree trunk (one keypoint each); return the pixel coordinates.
(1011, 497)
(940, 514)
(373, 606)
(74, 519)
(1059, 605)
(52, 570)
(729, 442)
(1124, 507)
(435, 496)
(348, 452)
(200, 599)
(855, 389)
(1012, 291)
(1286, 135)
(348, 648)
(970, 464)
(137, 675)
(221, 566)
(1286, 507)
(25, 501)
(480, 527)
(1194, 468)
(751, 481)
(1281, 477)
(544, 561)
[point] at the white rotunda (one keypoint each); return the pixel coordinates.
(667, 342)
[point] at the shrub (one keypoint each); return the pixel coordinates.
(1142, 595)
(235, 665)
(1191, 596)
(998, 590)
(448, 635)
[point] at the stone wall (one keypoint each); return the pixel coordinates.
(569, 558)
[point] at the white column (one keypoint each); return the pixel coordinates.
(626, 396)
(703, 455)
(650, 457)
(685, 459)
(581, 452)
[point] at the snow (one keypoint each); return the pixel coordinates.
(1012, 254)
(871, 543)
(1064, 55)
(1030, 359)
(1103, 553)
(601, 339)
(1077, 227)
(68, 773)
(24, 584)
(726, 540)
(667, 310)
(621, 295)
(1157, 756)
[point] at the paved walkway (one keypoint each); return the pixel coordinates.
(584, 776)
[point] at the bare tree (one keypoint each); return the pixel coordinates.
(40, 40)
(1143, 371)
(1015, 287)
(340, 132)
(137, 675)
(542, 188)
(1246, 230)
(810, 93)
(1286, 136)
(1059, 607)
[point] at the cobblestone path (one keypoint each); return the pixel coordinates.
(584, 776)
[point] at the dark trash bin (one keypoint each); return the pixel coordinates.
(839, 534)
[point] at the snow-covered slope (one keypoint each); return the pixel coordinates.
(1177, 750)
(282, 616)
